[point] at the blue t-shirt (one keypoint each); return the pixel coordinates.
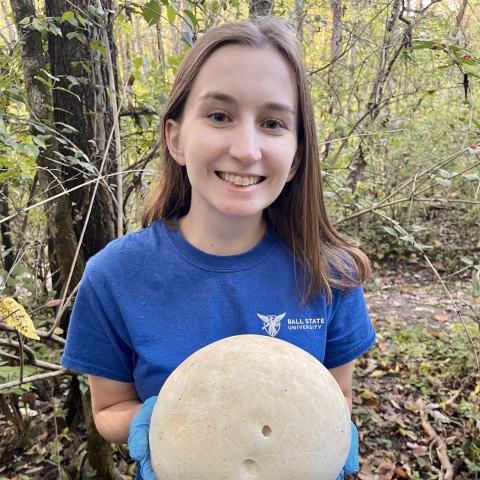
(149, 300)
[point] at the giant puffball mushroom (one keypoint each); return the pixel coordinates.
(250, 407)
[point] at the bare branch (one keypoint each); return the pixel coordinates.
(30, 354)
(33, 378)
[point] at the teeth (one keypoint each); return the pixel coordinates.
(237, 180)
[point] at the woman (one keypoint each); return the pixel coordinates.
(236, 237)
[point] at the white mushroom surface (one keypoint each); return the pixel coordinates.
(250, 407)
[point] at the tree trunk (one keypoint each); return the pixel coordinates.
(459, 21)
(387, 60)
(9, 258)
(260, 8)
(58, 213)
(335, 42)
(299, 14)
(89, 111)
(99, 451)
(160, 52)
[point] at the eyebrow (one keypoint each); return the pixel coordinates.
(223, 97)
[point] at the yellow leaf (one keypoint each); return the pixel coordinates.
(367, 394)
(378, 373)
(13, 314)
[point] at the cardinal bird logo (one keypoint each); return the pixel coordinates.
(271, 323)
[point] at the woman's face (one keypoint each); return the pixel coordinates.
(238, 134)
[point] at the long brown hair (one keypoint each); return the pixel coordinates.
(298, 214)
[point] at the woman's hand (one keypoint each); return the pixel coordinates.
(138, 439)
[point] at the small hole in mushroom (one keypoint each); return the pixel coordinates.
(266, 431)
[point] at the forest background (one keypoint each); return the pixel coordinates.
(395, 85)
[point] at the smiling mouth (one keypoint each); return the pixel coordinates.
(238, 180)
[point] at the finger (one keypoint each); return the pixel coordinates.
(138, 443)
(146, 469)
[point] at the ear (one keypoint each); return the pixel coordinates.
(296, 163)
(172, 135)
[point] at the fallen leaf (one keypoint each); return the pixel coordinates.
(414, 407)
(420, 451)
(383, 347)
(401, 472)
(366, 473)
(53, 303)
(372, 403)
(411, 435)
(14, 315)
(386, 470)
(395, 404)
(367, 394)
(441, 317)
(391, 320)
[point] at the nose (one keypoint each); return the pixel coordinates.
(245, 144)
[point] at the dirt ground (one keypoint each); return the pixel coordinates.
(413, 417)
(417, 428)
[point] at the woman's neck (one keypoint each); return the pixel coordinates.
(225, 236)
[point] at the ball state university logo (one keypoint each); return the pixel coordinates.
(271, 323)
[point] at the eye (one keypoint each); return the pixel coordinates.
(273, 124)
(218, 117)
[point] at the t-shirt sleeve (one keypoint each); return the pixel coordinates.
(350, 332)
(95, 344)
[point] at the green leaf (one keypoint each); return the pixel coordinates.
(68, 128)
(466, 260)
(444, 182)
(171, 13)
(98, 45)
(52, 28)
(391, 231)
(94, 11)
(68, 91)
(329, 194)
(151, 12)
(79, 36)
(215, 6)
(138, 62)
(72, 80)
(42, 80)
(408, 238)
(68, 16)
(11, 282)
(191, 17)
(476, 283)
(39, 142)
(32, 150)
